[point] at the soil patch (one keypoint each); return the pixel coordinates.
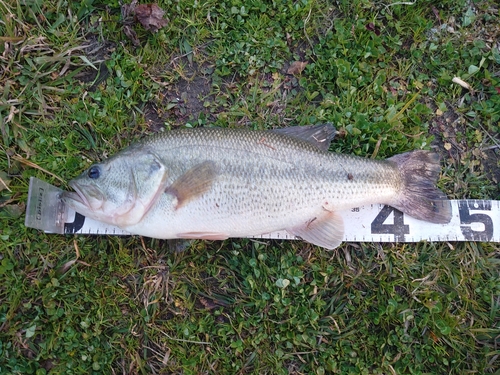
(184, 101)
(450, 131)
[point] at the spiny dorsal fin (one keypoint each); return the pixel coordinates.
(193, 183)
(319, 135)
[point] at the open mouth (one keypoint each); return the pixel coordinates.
(77, 196)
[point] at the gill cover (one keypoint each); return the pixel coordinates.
(121, 190)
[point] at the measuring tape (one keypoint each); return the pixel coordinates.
(472, 220)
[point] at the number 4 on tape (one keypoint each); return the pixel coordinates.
(398, 228)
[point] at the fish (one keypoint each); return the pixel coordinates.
(216, 183)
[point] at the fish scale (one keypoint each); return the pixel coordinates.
(215, 183)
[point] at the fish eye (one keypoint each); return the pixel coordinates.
(94, 172)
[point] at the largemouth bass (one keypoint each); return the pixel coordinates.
(213, 183)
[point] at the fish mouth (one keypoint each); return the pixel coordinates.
(76, 196)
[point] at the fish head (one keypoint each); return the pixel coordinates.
(120, 190)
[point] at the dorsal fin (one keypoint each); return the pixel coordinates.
(319, 135)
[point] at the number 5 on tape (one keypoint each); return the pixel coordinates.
(482, 221)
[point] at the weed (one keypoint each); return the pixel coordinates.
(74, 89)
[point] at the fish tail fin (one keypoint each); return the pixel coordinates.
(419, 195)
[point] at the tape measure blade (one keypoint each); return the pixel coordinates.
(44, 209)
(79, 224)
(472, 220)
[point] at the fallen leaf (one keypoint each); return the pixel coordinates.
(65, 267)
(371, 27)
(131, 34)
(128, 11)
(462, 83)
(296, 67)
(208, 304)
(150, 16)
(436, 13)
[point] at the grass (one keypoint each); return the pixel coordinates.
(74, 89)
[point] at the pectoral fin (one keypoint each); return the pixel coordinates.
(193, 183)
(325, 230)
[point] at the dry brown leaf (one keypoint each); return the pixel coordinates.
(208, 304)
(462, 83)
(150, 16)
(371, 27)
(296, 67)
(128, 11)
(131, 34)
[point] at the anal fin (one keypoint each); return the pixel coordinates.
(325, 230)
(211, 236)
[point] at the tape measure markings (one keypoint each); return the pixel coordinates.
(472, 220)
